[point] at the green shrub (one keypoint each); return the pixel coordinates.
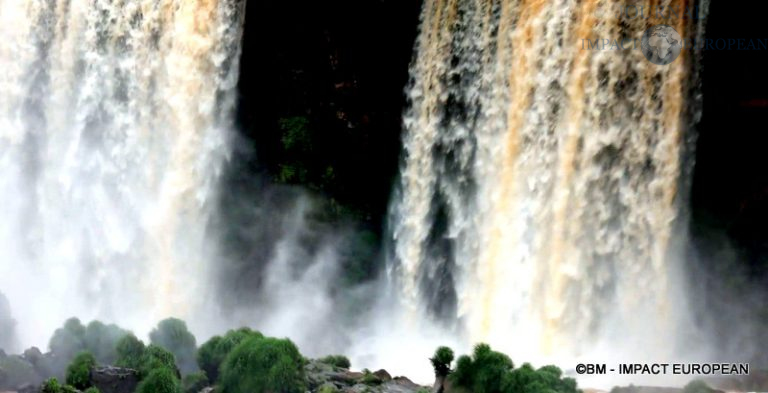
(328, 389)
(526, 379)
(68, 340)
(697, 386)
(130, 352)
(484, 371)
(79, 371)
(18, 371)
(51, 385)
(488, 371)
(369, 378)
(263, 365)
(211, 355)
(160, 380)
(173, 335)
(441, 361)
(195, 382)
(157, 357)
(336, 361)
(92, 389)
(101, 340)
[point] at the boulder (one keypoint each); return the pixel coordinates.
(111, 379)
(383, 375)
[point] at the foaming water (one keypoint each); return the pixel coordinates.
(539, 207)
(114, 127)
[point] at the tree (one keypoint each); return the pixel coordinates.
(130, 352)
(155, 357)
(101, 340)
(263, 365)
(79, 371)
(160, 380)
(336, 361)
(195, 382)
(68, 340)
(173, 335)
(488, 371)
(211, 355)
(441, 361)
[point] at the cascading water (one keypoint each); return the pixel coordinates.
(540, 193)
(114, 126)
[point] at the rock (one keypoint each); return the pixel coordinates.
(114, 379)
(27, 388)
(209, 389)
(383, 375)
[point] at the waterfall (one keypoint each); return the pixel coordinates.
(115, 119)
(539, 203)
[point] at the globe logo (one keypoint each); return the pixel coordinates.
(661, 44)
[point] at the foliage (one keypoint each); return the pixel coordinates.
(328, 389)
(130, 352)
(18, 371)
(173, 335)
(101, 340)
(488, 371)
(336, 361)
(296, 134)
(369, 378)
(79, 371)
(263, 365)
(68, 340)
(92, 389)
(195, 382)
(697, 386)
(160, 380)
(441, 361)
(52, 385)
(155, 357)
(546, 379)
(211, 355)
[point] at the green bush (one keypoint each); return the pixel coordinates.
(92, 390)
(526, 379)
(101, 340)
(195, 382)
(68, 340)
(52, 385)
(441, 361)
(173, 335)
(79, 371)
(336, 361)
(697, 386)
(484, 371)
(260, 365)
(130, 352)
(160, 380)
(156, 357)
(488, 371)
(211, 355)
(18, 371)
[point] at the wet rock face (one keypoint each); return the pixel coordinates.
(325, 377)
(114, 379)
